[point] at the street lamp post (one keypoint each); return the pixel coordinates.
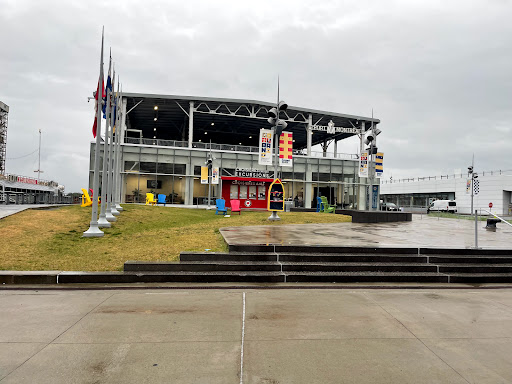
(371, 140)
(209, 164)
(474, 176)
(279, 125)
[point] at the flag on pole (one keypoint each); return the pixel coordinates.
(114, 106)
(107, 88)
(95, 125)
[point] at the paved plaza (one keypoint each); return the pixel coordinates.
(271, 336)
(422, 231)
(11, 209)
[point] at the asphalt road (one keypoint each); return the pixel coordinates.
(267, 336)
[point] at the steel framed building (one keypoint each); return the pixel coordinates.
(167, 138)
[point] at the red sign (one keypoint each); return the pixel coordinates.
(490, 205)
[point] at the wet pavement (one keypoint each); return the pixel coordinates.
(256, 336)
(422, 231)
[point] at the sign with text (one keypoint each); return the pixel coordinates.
(331, 129)
(254, 173)
(265, 151)
(468, 187)
(363, 164)
(285, 149)
(215, 175)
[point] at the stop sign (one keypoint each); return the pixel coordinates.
(490, 205)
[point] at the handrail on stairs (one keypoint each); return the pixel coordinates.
(490, 213)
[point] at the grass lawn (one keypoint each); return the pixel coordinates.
(52, 239)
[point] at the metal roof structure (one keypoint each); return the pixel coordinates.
(230, 121)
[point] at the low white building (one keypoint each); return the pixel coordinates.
(493, 187)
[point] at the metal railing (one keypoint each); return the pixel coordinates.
(233, 148)
(496, 216)
(498, 172)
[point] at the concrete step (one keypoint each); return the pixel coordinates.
(301, 257)
(359, 267)
(356, 277)
(199, 266)
(449, 259)
(350, 258)
(321, 249)
(475, 268)
(464, 252)
(168, 277)
(480, 278)
(213, 256)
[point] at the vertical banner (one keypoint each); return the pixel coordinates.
(379, 159)
(375, 196)
(215, 175)
(265, 156)
(204, 175)
(363, 164)
(286, 149)
(476, 186)
(468, 187)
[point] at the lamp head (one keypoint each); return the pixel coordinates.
(272, 112)
(283, 106)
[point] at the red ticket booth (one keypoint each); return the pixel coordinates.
(252, 192)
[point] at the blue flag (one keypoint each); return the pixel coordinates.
(107, 88)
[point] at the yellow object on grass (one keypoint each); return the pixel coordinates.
(150, 199)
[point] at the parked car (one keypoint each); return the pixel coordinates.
(389, 207)
(442, 206)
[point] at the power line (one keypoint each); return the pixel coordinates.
(16, 158)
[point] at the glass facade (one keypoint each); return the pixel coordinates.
(176, 172)
(416, 200)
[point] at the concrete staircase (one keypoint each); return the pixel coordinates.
(280, 264)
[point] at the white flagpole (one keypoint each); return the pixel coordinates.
(94, 230)
(122, 117)
(117, 165)
(103, 222)
(113, 192)
(110, 208)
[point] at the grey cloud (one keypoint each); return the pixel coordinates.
(436, 73)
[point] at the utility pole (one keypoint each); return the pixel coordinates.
(279, 125)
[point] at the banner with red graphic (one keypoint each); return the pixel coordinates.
(286, 149)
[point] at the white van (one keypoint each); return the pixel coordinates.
(442, 206)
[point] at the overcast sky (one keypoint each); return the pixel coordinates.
(438, 74)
